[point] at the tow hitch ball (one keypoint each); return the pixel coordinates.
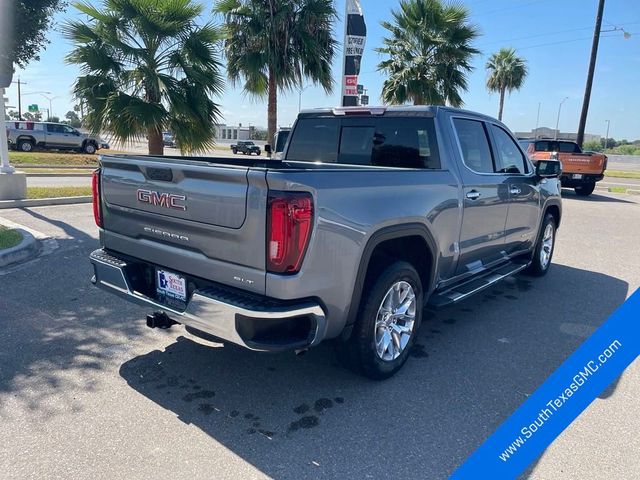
(160, 320)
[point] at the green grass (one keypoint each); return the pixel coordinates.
(9, 237)
(621, 174)
(617, 189)
(20, 159)
(56, 192)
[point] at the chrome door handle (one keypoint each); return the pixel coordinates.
(515, 191)
(473, 195)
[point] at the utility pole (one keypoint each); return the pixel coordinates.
(19, 99)
(537, 121)
(606, 138)
(592, 67)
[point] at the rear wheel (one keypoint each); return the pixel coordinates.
(585, 190)
(387, 322)
(25, 145)
(89, 148)
(543, 252)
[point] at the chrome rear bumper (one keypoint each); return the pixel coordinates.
(222, 312)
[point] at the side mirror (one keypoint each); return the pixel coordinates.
(267, 148)
(548, 168)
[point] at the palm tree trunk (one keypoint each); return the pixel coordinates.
(154, 142)
(272, 107)
(502, 90)
(418, 100)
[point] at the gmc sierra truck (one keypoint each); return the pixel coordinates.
(370, 215)
(580, 170)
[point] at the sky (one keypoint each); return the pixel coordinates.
(554, 36)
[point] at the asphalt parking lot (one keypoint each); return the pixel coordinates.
(87, 391)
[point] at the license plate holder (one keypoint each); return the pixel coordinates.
(170, 286)
(576, 176)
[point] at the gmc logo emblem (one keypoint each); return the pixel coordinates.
(166, 200)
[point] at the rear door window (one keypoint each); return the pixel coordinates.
(405, 143)
(474, 145)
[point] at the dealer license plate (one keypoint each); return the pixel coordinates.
(171, 285)
(576, 176)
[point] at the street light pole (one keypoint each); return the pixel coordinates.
(50, 104)
(538, 119)
(300, 97)
(606, 138)
(555, 135)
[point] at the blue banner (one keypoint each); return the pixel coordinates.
(560, 399)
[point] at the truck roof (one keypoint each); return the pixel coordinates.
(426, 110)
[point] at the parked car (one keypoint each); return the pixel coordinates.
(27, 136)
(580, 170)
(169, 140)
(245, 147)
(372, 214)
(279, 142)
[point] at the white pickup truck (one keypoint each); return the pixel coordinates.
(27, 136)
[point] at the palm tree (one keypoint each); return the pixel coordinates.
(278, 44)
(147, 66)
(506, 73)
(429, 50)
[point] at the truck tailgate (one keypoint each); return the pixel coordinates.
(582, 163)
(190, 216)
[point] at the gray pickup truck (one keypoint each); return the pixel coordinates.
(371, 215)
(27, 136)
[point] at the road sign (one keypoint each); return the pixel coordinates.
(364, 100)
(360, 89)
(33, 108)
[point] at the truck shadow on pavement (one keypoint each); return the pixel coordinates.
(58, 332)
(307, 417)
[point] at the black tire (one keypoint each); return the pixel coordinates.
(585, 190)
(25, 145)
(538, 266)
(234, 151)
(360, 352)
(89, 148)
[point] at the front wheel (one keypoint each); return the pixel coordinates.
(585, 190)
(543, 251)
(387, 323)
(234, 151)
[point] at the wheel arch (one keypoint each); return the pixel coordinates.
(394, 243)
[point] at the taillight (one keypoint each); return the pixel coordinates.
(95, 188)
(289, 225)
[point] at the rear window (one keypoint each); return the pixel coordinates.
(315, 140)
(568, 147)
(383, 141)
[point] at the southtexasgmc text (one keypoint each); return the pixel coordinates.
(369, 216)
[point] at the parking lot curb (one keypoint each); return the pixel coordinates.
(42, 202)
(26, 249)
